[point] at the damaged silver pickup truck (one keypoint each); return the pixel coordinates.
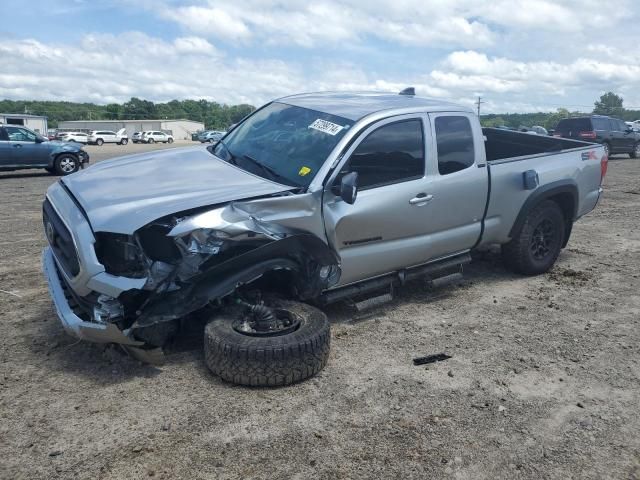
(312, 199)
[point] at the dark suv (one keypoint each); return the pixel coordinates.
(615, 135)
(23, 148)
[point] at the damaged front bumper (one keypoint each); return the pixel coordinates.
(72, 323)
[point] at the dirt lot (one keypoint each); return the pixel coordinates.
(544, 381)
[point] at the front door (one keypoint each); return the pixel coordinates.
(411, 208)
(24, 149)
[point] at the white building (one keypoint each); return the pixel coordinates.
(181, 129)
(33, 122)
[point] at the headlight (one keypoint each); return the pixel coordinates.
(120, 255)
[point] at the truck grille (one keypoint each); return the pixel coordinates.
(60, 240)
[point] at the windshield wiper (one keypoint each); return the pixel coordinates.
(270, 171)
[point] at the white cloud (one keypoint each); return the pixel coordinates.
(518, 54)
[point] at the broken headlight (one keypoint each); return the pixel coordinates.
(120, 255)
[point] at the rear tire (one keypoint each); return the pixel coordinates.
(635, 153)
(535, 248)
(268, 360)
(66, 164)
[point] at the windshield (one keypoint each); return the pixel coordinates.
(283, 143)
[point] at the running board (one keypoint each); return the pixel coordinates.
(436, 273)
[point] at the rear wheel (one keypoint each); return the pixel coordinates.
(635, 153)
(66, 164)
(535, 248)
(294, 346)
(99, 142)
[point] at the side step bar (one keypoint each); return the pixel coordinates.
(436, 273)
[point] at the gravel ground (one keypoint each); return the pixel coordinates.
(543, 383)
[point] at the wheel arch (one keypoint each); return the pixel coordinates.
(301, 255)
(564, 193)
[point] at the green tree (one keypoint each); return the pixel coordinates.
(609, 104)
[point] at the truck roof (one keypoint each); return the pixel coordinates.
(356, 105)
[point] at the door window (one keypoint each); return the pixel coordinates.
(600, 124)
(454, 140)
(391, 154)
(20, 135)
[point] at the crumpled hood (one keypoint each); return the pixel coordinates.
(126, 193)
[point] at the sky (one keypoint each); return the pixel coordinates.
(518, 55)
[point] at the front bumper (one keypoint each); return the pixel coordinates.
(72, 323)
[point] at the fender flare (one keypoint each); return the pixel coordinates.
(561, 187)
(223, 279)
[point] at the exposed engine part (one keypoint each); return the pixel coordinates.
(107, 309)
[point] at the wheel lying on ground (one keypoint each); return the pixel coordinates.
(66, 164)
(535, 248)
(238, 350)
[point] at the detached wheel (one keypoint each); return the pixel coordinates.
(240, 349)
(537, 245)
(66, 164)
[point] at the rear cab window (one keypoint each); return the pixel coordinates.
(454, 143)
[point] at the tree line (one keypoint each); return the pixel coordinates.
(220, 116)
(608, 104)
(214, 115)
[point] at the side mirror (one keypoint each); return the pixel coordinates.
(39, 139)
(349, 187)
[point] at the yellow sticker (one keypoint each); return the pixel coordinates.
(304, 171)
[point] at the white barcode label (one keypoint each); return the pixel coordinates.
(326, 127)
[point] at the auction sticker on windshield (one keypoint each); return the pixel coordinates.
(326, 127)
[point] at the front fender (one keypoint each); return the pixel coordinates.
(294, 253)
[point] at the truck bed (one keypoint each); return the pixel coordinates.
(557, 162)
(502, 145)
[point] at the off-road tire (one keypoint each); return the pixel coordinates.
(268, 361)
(99, 142)
(518, 254)
(635, 153)
(66, 164)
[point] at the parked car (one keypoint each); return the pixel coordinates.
(311, 199)
(136, 137)
(612, 133)
(78, 137)
(22, 148)
(51, 134)
(99, 137)
(156, 136)
(211, 136)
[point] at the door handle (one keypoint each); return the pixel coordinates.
(421, 199)
(17, 145)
